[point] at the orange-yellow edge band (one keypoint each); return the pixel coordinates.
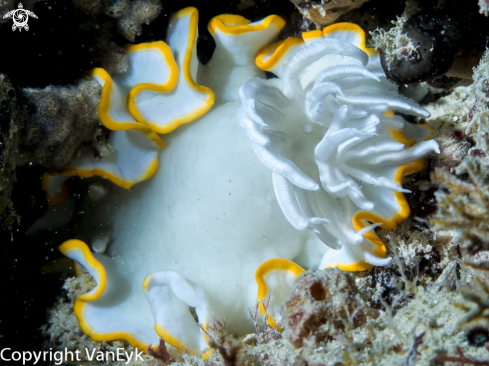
(278, 264)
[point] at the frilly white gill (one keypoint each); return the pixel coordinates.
(325, 129)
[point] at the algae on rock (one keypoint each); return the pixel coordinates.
(464, 206)
(57, 121)
(129, 15)
(464, 200)
(8, 138)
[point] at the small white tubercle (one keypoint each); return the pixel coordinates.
(100, 242)
(96, 192)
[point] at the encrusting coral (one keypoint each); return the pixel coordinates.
(362, 330)
(478, 117)
(135, 15)
(477, 294)
(394, 43)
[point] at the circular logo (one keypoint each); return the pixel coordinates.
(20, 17)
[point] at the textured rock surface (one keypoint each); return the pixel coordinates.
(129, 15)
(8, 137)
(325, 12)
(464, 199)
(322, 304)
(58, 121)
(434, 26)
(434, 39)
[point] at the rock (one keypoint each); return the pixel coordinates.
(57, 121)
(8, 138)
(326, 12)
(435, 38)
(322, 305)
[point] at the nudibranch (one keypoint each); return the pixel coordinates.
(211, 229)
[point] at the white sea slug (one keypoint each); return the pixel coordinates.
(207, 227)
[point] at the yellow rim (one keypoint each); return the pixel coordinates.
(360, 219)
(57, 199)
(306, 36)
(107, 121)
(161, 88)
(350, 27)
(126, 184)
(81, 301)
(104, 108)
(171, 340)
(265, 268)
(236, 25)
(193, 14)
(163, 333)
(269, 56)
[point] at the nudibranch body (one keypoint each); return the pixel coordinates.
(194, 234)
(212, 216)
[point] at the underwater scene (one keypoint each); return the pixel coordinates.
(244, 182)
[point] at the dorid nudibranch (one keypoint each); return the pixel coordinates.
(326, 130)
(208, 230)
